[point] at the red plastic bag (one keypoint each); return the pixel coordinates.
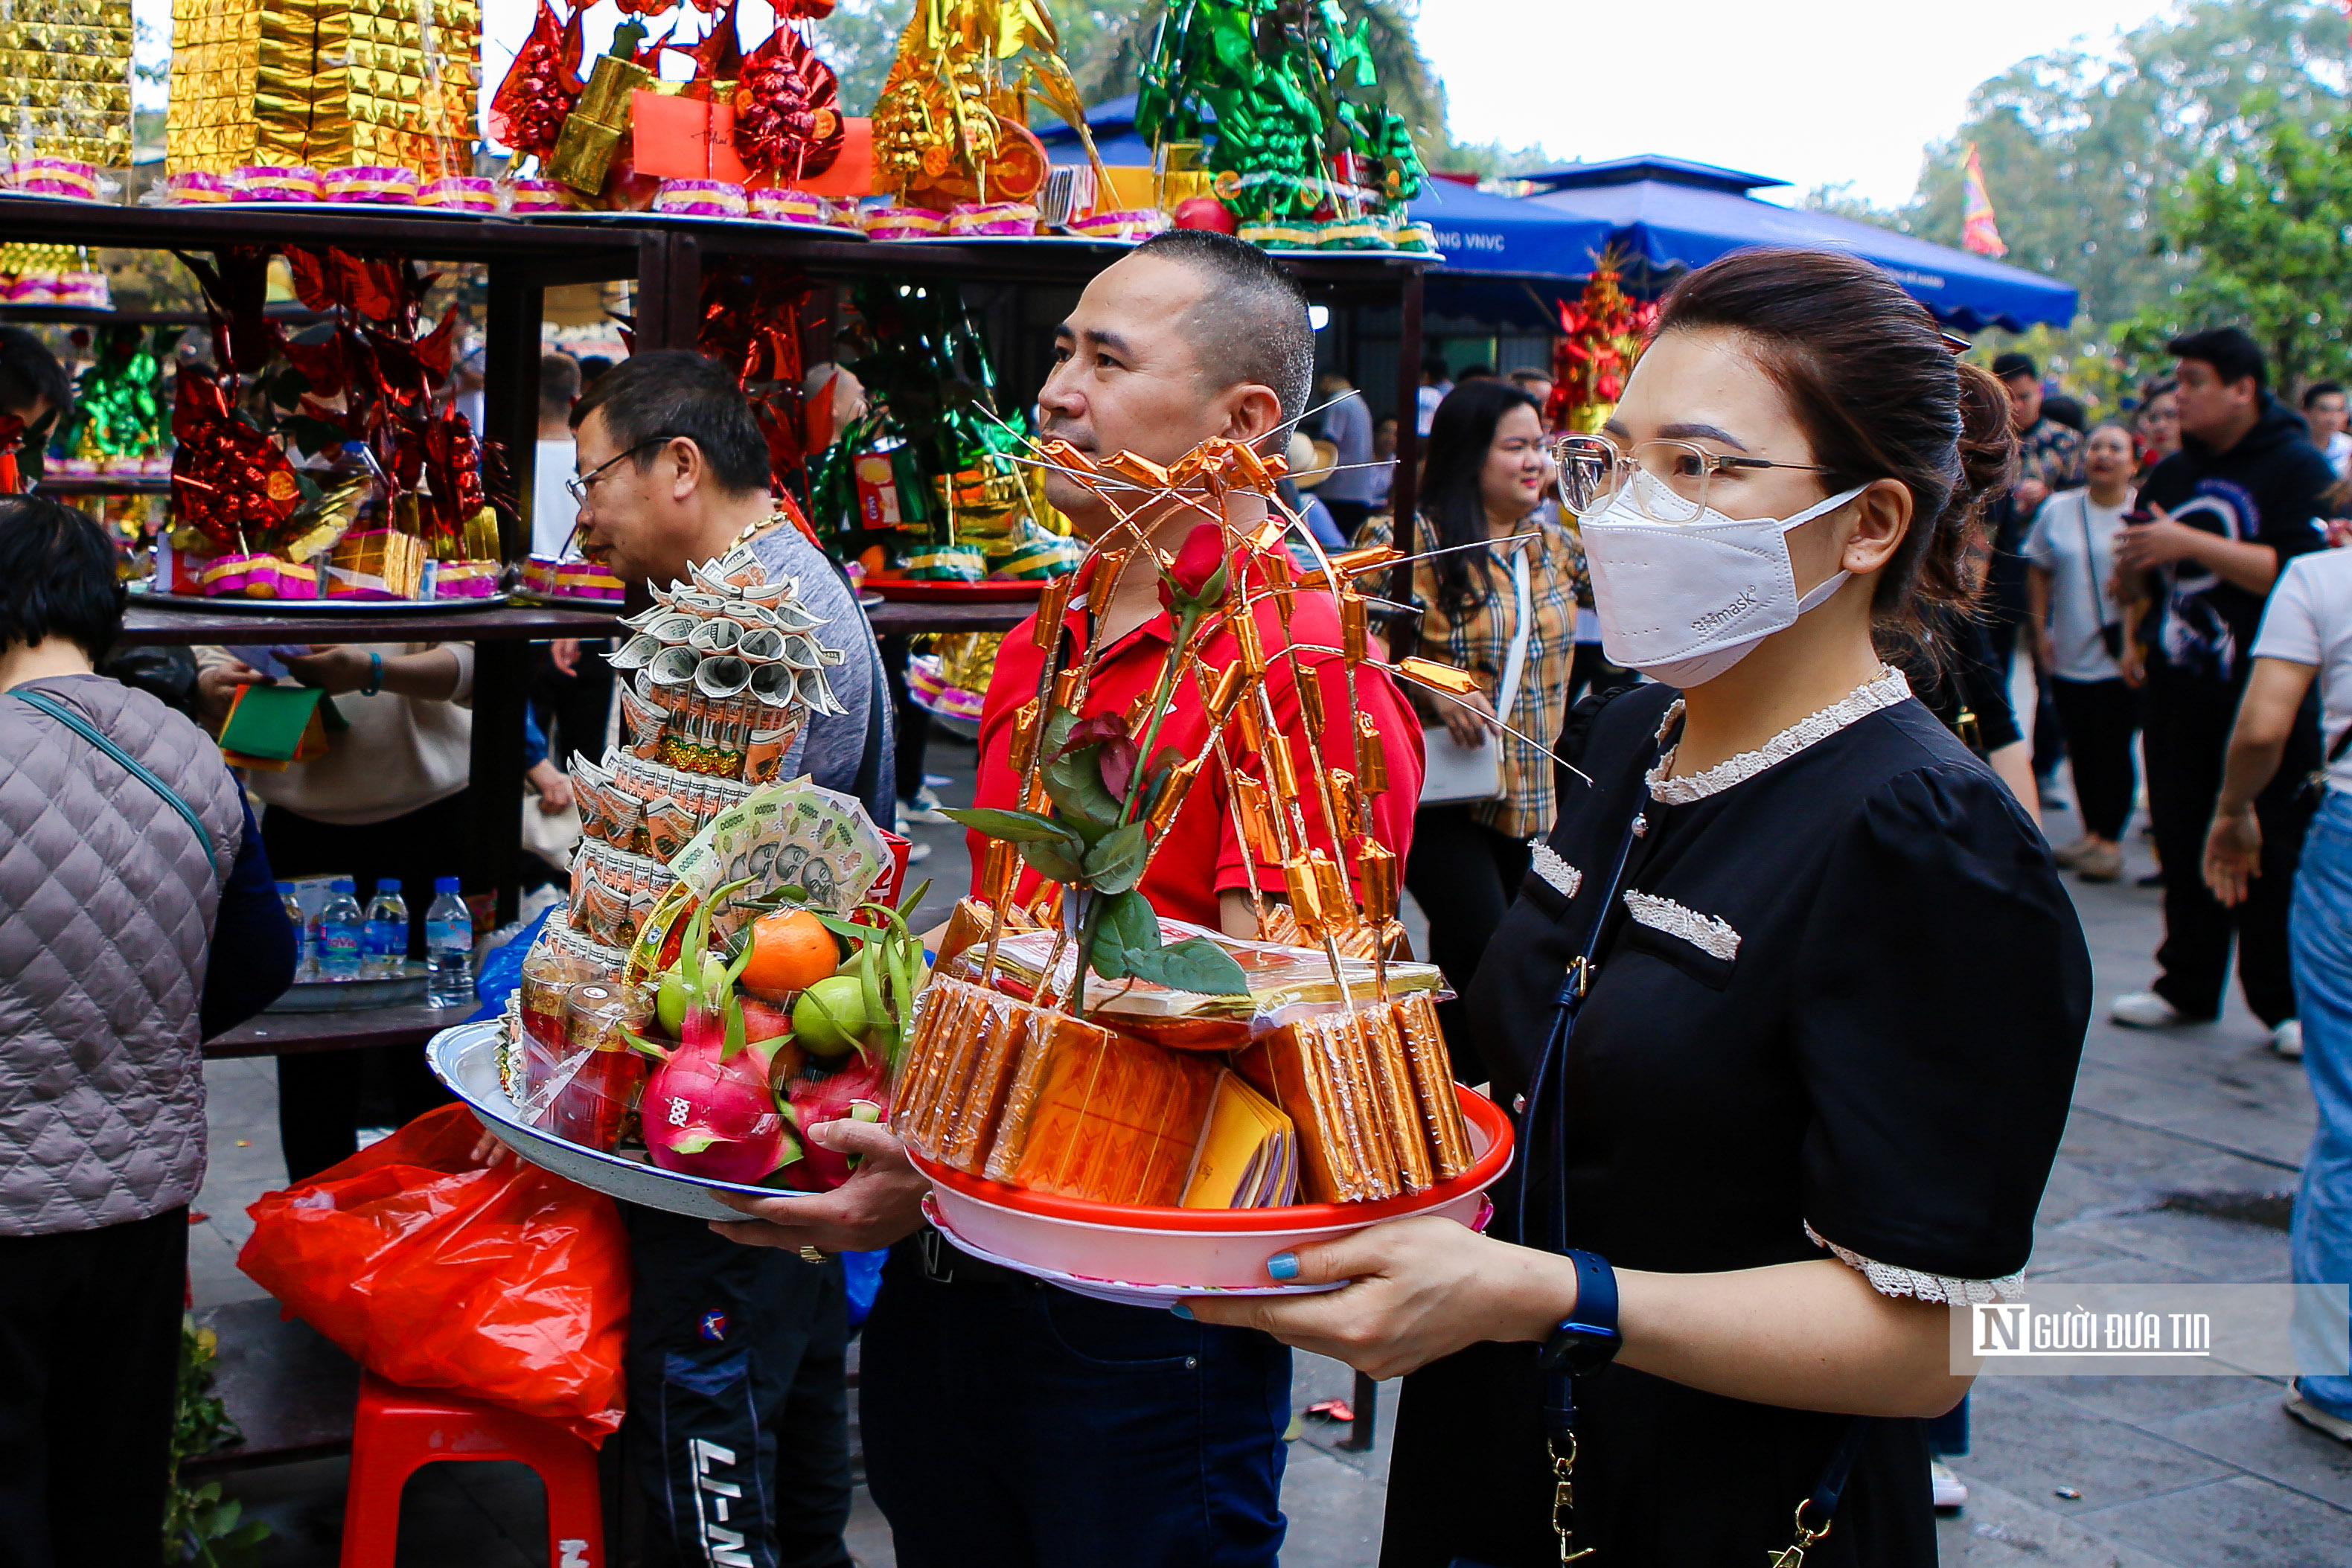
(504, 1281)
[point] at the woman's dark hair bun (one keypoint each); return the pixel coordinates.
(1870, 377)
(1988, 438)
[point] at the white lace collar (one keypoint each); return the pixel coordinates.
(1887, 688)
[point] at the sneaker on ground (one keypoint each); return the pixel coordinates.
(1950, 1490)
(2313, 1417)
(924, 808)
(2053, 797)
(2100, 862)
(2143, 1010)
(2068, 856)
(2287, 1039)
(918, 851)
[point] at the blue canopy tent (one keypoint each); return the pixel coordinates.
(1668, 215)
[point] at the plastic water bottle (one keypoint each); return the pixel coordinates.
(448, 947)
(303, 956)
(387, 929)
(342, 935)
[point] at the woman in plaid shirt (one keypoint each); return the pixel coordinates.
(1482, 481)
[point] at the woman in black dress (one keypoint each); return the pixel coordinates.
(1790, 1007)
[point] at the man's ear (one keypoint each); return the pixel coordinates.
(1253, 413)
(691, 472)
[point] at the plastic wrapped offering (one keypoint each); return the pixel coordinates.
(1281, 977)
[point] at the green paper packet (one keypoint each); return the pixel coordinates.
(268, 721)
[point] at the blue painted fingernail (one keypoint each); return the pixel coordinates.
(1181, 1310)
(1283, 1266)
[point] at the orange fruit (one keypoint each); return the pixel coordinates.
(791, 951)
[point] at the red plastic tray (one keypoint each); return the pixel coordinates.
(1475, 1107)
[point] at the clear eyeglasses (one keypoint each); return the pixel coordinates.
(1593, 469)
(581, 486)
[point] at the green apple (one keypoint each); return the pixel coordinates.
(669, 1001)
(830, 1018)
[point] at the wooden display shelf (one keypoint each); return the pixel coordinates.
(152, 623)
(357, 227)
(105, 485)
(900, 618)
(292, 1034)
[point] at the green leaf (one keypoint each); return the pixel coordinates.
(1116, 862)
(1018, 827)
(1130, 921)
(1055, 862)
(1076, 784)
(1199, 966)
(1059, 722)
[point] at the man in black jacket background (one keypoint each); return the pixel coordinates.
(2243, 495)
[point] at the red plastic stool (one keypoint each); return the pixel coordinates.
(400, 1430)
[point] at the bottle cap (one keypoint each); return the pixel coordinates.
(387, 884)
(340, 885)
(445, 884)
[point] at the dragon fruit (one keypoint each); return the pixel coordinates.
(859, 1091)
(708, 1109)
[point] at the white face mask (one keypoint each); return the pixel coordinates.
(1682, 602)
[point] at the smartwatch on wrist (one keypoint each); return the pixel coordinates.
(1587, 1340)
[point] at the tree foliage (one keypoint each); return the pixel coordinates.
(2265, 223)
(2083, 149)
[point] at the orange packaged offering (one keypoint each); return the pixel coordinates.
(1112, 1119)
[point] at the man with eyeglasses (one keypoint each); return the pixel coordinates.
(737, 1424)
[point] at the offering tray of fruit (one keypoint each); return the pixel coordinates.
(466, 1060)
(730, 970)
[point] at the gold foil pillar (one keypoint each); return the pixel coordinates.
(64, 80)
(323, 83)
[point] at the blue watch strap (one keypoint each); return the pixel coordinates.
(375, 684)
(1586, 1340)
(1596, 1292)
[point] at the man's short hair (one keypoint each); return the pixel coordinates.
(1475, 373)
(559, 384)
(669, 393)
(2232, 354)
(56, 577)
(1528, 378)
(2317, 390)
(28, 373)
(1252, 324)
(1433, 367)
(2008, 367)
(594, 367)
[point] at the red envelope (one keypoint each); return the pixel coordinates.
(674, 138)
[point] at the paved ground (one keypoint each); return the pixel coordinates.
(2193, 1472)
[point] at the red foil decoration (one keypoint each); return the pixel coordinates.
(236, 285)
(788, 110)
(750, 323)
(717, 56)
(541, 88)
(229, 481)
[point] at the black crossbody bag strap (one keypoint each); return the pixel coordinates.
(128, 763)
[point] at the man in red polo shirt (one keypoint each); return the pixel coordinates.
(1007, 1422)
